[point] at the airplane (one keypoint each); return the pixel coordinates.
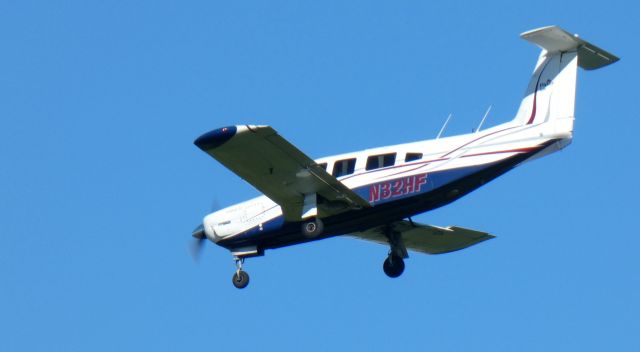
(373, 194)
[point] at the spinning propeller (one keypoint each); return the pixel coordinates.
(199, 239)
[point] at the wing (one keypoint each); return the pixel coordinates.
(427, 238)
(278, 169)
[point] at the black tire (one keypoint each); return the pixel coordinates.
(393, 266)
(312, 228)
(240, 279)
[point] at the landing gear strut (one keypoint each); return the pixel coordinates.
(394, 264)
(240, 278)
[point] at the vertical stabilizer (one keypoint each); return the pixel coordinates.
(550, 95)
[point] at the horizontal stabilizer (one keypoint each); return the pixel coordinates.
(555, 39)
(427, 238)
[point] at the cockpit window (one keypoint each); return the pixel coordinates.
(344, 167)
(382, 160)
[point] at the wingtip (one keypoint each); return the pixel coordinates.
(215, 138)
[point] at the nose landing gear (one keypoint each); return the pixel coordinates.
(240, 278)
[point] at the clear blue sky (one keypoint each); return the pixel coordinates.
(100, 184)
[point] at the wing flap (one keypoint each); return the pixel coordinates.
(428, 238)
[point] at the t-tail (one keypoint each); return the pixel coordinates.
(551, 93)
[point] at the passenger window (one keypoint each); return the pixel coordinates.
(378, 161)
(413, 156)
(344, 167)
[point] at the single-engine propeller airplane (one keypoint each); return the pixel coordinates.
(373, 194)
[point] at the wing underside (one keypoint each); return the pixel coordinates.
(426, 238)
(278, 169)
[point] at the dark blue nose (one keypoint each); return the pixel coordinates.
(215, 138)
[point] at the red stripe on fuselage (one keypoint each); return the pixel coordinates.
(520, 150)
(425, 163)
(535, 96)
(477, 139)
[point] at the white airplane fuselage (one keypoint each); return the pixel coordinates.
(450, 167)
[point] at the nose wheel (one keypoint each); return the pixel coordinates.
(240, 278)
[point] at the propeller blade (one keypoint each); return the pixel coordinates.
(199, 239)
(195, 248)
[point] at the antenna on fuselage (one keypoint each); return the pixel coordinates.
(444, 126)
(483, 118)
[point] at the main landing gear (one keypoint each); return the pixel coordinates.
(240, 278)
(393, 266)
